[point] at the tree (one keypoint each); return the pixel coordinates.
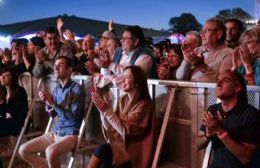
(184, 23)
(233, 13)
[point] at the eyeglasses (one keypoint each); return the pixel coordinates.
(125, 38)
(105, 38)
(251, 41)
(208, 30)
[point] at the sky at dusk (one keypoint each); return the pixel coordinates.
(146, 13)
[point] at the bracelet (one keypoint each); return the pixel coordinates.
(222, 135)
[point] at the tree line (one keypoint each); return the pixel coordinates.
(187, 21)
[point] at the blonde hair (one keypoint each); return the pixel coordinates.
(252, 34)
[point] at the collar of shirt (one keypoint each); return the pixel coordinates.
(69, 82)
(128, 53)
(237, 109)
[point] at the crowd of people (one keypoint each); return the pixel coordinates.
(222, 53)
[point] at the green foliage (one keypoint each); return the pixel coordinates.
(233, 13)
(184, 23)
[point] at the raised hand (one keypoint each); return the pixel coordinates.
(24, 51)
(236, 61)
(105, 58)
(246, 59)
(69, 34)
(110, 25)
(60, 24)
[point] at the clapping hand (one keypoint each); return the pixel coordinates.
(46, 96)
(236, 61)
(164, 71)
(91, 67)
(99, 101)
(105, 59)
(39, 55)
(213, 124)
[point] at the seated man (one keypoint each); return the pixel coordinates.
(67, 102)
(232, 125)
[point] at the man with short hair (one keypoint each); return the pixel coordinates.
(234, 28)
(212, 58)
(85, 65)
(132, 52)
(67, 102)
(232, 126)
(192, 40)
(104, 39)
(45, 57)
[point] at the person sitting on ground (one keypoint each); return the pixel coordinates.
(131, 129)
(232, 125)
(67, 103)
(15, 102)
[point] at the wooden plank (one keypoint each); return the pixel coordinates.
(163, 128)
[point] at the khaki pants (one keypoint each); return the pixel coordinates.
(53, 145)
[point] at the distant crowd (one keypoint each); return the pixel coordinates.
(201, 57)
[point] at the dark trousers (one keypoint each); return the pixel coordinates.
(104, 152)
(1, 164)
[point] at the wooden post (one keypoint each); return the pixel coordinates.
(163, 128)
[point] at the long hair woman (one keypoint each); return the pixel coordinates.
(16, 103)
(131, 129)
